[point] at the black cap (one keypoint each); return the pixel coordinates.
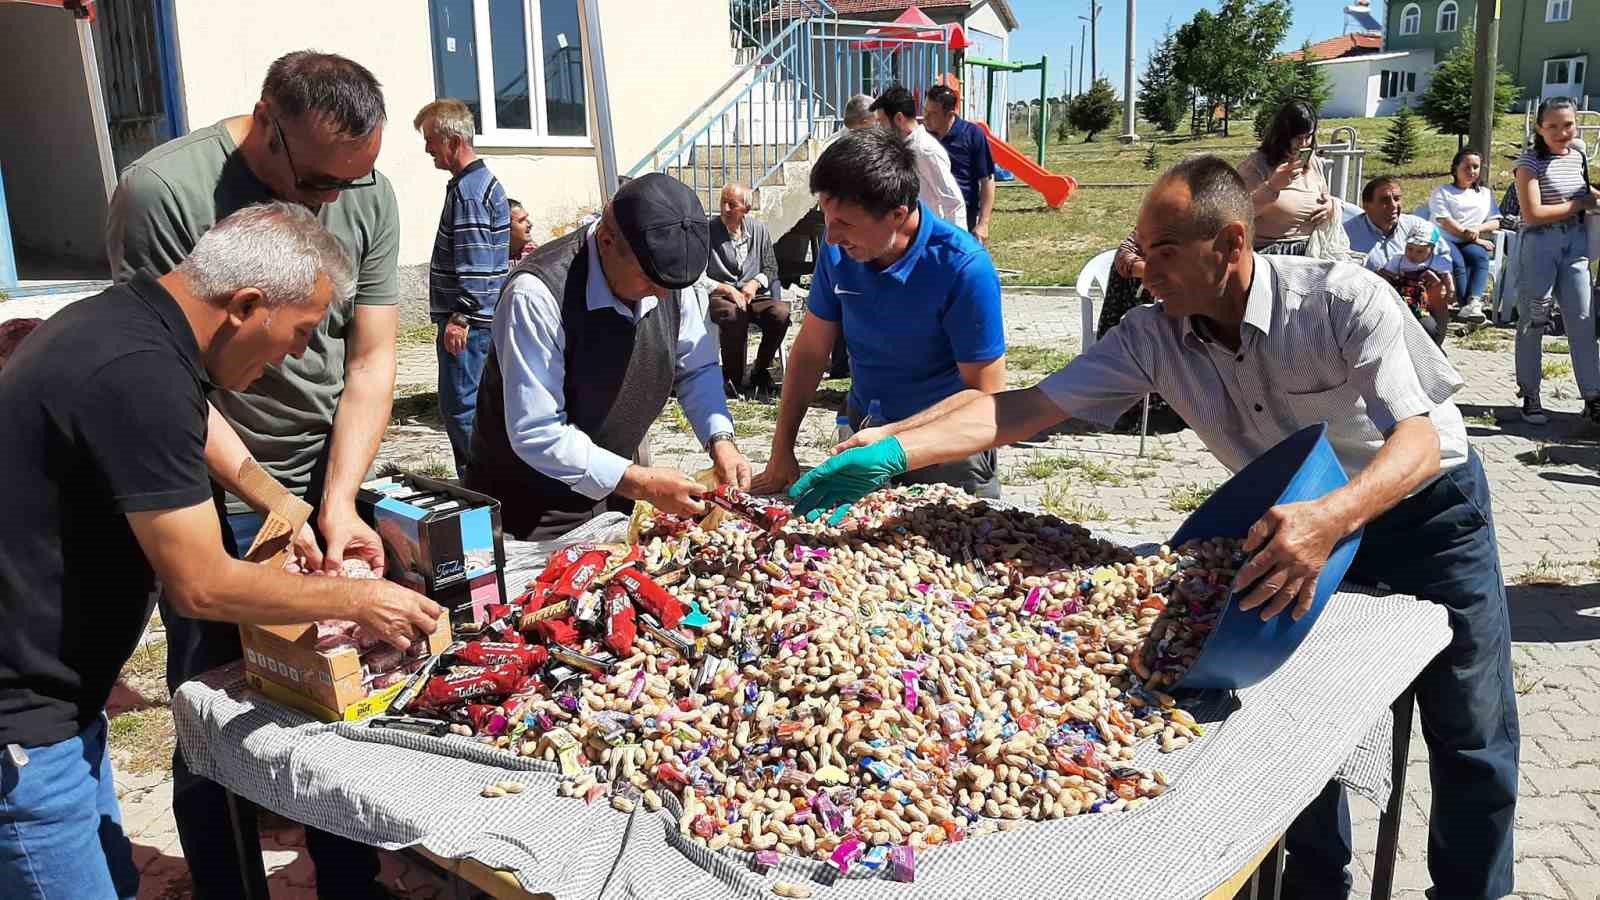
(665, 225)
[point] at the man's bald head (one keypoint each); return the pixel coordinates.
(1217, 197)
(1195, 228)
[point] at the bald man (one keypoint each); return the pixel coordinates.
(742, 289)
(1250, 349)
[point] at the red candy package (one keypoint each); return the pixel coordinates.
(528, 657)
(560, 562)
(655, 599)
(620, 626)
(580, 575)
(766, 514)
(447, 690)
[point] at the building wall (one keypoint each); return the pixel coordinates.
(1526, 40)
(1354, 93)
(984, 26)
(226, 47)
(54, 188)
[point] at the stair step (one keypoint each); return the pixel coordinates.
(744, 154)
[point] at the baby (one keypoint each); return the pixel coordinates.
(1422, 278)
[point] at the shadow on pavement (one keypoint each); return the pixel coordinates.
(1554, 614)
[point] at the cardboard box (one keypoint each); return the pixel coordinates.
(439, 539)
(283, 663)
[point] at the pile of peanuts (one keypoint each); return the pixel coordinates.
(932, 669)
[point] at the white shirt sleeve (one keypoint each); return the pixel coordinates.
(939, 188)
(1439, 205)
(530, 344)
(699, 374)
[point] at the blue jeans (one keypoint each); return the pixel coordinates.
(458, 388)
(1469, 266)
(60, 827)
(1439, 545)
(344, 868)
(1554, 260)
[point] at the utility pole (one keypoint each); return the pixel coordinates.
(1094, 40)
(1480, 133)
(1072, 57)
(1083, 31)
(1129, 135)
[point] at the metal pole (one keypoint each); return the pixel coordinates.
(988, 93)
(1129, 135)
(606, 139)
(1072, 56)
(1083, 31)
(1481, 131)
(1044, 109)
(1094, 41)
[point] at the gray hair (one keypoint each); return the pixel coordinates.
(339, 91)
(738, 190)
(1218, 197)
(858, 112)
(277, 248)
(447, 118)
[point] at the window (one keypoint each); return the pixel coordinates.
(1448, 14)
(1557, 10)
(532, 70)
(1411, 19)
(1411, 82)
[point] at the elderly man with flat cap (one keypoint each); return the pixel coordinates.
(592, 333)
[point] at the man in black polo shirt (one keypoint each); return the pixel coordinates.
(102, 444)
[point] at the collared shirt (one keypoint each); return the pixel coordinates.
(1321, 342)
(1380, 246)
(472, 248)
(939, 190)
(530, 344)
(970, 161)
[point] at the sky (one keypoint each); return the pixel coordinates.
(1051, 26)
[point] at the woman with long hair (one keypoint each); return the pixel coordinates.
(1466, 212)
(1553, 256)
(1287, 182)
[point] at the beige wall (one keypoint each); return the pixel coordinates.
(53, 183)
(226, 48)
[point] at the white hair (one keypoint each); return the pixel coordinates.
(858, 111)
(738, 190)
(447, 118)
(277, 248)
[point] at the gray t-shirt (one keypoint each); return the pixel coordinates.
(169, 197)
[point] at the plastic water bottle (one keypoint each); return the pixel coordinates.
(842, 429)
(874, 416)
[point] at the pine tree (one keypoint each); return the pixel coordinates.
(1401, 142)
(1094, 110)
(1292, 79)
(1447, 103)
(1152, 158)
(1163, 98)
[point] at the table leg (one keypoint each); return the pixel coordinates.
(247, 843)
(1389, 822)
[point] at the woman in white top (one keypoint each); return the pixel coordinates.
(1553, 256)
(1466, 212)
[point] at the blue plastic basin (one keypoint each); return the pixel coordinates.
(1242, 649)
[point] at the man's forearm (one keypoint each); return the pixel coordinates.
(358, 427)
(1407, 460)
(800, 380)
(985, 199)
(225, 453)
(935, 412)
(984, 421)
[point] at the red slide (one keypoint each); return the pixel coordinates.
(1055, 188)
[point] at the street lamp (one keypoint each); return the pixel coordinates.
(1128, 133)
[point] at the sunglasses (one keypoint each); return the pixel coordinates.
(320, 184)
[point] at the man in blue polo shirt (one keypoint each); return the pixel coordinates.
(970, 159)
(917, 297)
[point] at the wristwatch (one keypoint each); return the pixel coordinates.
(718, 436)
(459, 320)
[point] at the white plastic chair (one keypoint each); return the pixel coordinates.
(1096, 275)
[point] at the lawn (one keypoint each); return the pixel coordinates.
(1045, 246)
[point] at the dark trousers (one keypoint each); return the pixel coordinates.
(459, 375)
(977, 474)
(734, 321)
(345, 868)
(1440, 546)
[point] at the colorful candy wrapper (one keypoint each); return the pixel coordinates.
(848, 851)
(909, 677)
(903, 863)
(491, 653)
(580, 575)
(654, 598)
(621, 629)
(1031, 604)
(766, 859)
(765, 514)
(446, 690)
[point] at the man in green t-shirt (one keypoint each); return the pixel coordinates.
(315, 421)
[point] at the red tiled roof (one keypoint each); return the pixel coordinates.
(1357, 44)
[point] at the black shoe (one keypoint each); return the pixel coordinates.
(1591, 410)
(1533, 411)
(761, 384)
(733, 391)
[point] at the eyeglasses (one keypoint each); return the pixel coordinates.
(320, 185)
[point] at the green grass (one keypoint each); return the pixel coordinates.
(417, 335)
(1058, 500)
(1485, 421)
(1557, 347)
(1045, 466)
(415, 402)
(1486, 339)
(1188, 497)
(1555, 368)
(1050, 246)
(434, 467)
(1033, 358)
(673, 419)
(144, 740)
(1538, 456)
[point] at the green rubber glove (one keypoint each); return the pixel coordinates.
(846, 478)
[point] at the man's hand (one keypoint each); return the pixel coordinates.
(730, 465)
(1290, 544)
(861, 439)
(306, 553)
(398, 615)
(846, 478)
(782, 470)
(750, 289)
(455, 338)
(1284, 174)
(348, 536)
(980, 230)
(668, 490)
(731, 294)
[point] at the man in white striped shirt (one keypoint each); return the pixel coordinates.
(897, 110)
(1248, 349)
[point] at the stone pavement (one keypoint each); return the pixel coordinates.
(1546, 488)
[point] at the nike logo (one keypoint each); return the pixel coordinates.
(840, 290)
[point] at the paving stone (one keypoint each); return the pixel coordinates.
(1574, 779)
(1561, 809)
(1534, 879)
(1549, 841)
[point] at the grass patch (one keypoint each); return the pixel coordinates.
(1045, 466)
(1545, 571)
(1189, 497)
(673, 419)
(1555, 368)
(144, 740)
(1558, 347)
(1059, 501)
(423, 335)
(1538, 456)
(1522, 682)
(434, 467)
(1485, 420)
(420, 408)
(1484, 339)
(1033, 358)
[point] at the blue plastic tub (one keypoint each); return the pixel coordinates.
(1242, 649)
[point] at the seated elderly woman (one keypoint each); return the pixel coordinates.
(741, 281)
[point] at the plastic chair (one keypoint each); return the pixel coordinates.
(1096, 274)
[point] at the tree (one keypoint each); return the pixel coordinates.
(1292, 79)
(1447, 103)
(1224, 55)
(1401, 143)
(1094, 110)
(1152, 158)
(1163, 98)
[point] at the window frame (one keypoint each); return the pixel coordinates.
(1454, 9)
(1550, 7)
(1411, 11)
(490, 135)
(1574, 75)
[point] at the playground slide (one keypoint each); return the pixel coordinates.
(1055, 188)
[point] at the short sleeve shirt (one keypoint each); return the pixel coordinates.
(102, 414)
(970, 161)
(171, 196)
(908, 326)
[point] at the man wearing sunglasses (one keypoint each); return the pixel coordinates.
(314, 422)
